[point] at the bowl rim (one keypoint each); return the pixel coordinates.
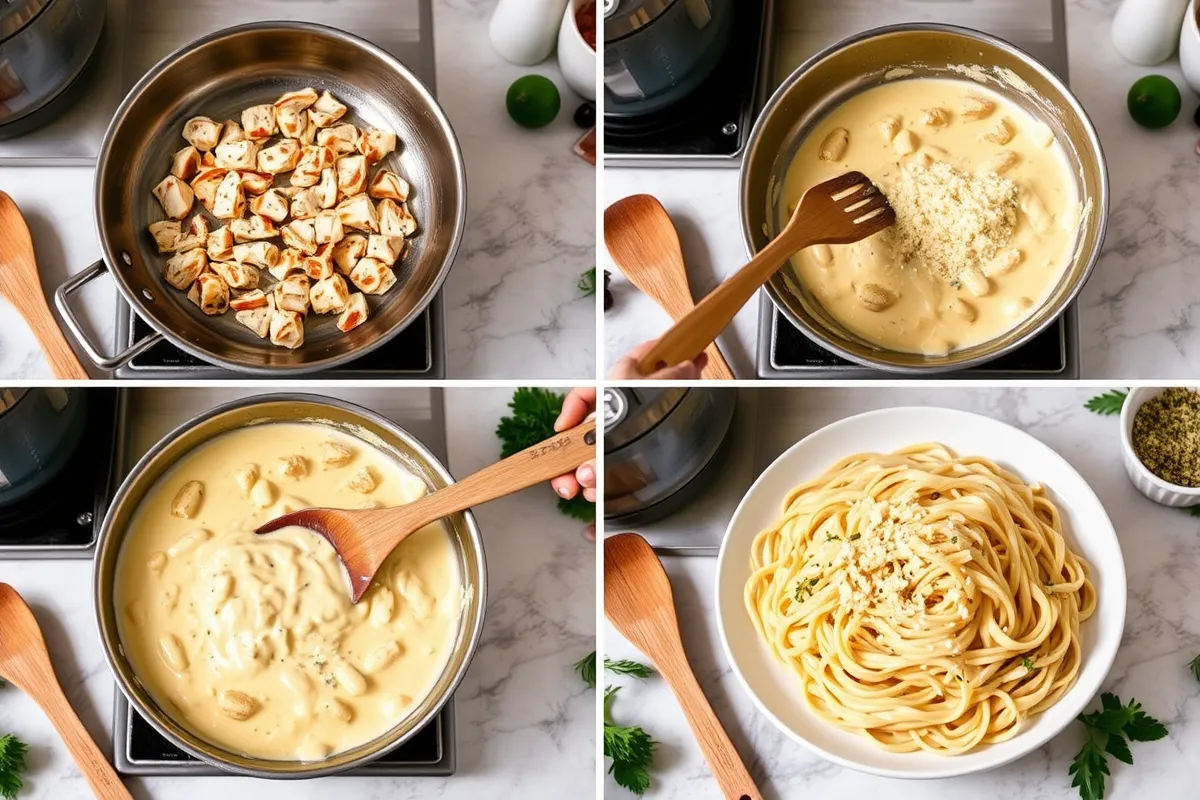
(1138, 396)
(310, 769)
(1106, 658)
(1100, 204)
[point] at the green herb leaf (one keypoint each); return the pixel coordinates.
(630, 748)
(1118, 748)
(856, 536)
(12, 764)
(1089, 768)
(1193, 510)
(578, 508)
(1027, 663)
(1109, 701)
(1108, 403)
(626, 667)
(1194, 666)
(1107, 732)
(534, 412)
(587, 282)
(586, 667)
(1145, 728)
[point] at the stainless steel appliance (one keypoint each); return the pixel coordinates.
(39, 431)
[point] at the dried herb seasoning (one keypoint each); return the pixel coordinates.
(1166, 436)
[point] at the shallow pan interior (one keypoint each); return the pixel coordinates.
(222, 74)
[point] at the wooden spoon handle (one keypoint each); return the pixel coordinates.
(722, 756)
(91, 762)
(63, 362)
(688, 337)
(717, 368)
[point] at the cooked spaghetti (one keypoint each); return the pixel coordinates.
(927, 601)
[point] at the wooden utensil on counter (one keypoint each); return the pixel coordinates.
(841, 210)
(639, 604)
(364, 539)
(25, 663)
(19, 284)
(643, 242)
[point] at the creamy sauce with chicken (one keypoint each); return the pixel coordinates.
(252, 641)
(930, 140)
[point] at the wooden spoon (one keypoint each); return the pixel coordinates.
(19, 284)
(25, 663)
(644, 244)
(639, 604)
(364, 539)
(839, 211)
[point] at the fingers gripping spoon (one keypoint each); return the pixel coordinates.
(364, 539)
(639, 604)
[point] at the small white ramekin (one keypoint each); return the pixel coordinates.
(575, 58)
(1149, 484)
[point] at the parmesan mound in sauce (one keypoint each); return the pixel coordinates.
(986, 206)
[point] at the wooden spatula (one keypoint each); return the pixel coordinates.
(25, 663)
(841, 210)
(364, 539)
(19, 285)
(645, 246)
(639, 604)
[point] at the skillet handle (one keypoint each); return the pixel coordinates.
(62, 294)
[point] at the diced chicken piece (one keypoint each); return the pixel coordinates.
(363, 481)
(195, 237)
(212, 294)
(351, 175)
(305, 204)
(238, 276)
(202, 133)
(270, 205)
(253, 228)
(185, 163)
(329, 295)
(310, 132)
(290, 260)
(287, 329)
(230, 201)
(255, 183)
(165, 234)
(280, 157)
(232, 132)
(199, 226)
(348, 251)
(326, 191)
(237, 155)
(182, 269)
(248, 300)
(206, 183)
(207, 160)
(359, 212)
(341, 139)
(245, 476)
(256, 254)
(385, 248)
(328, 226)
(326, 111)
(302, 235)
(395, 220)
(320, 265)
(372, 276)
(354, 314)
(175, 197)
(293, 466)
(313, 159)
(258, 319)
(220, 244)
(335, 454)
(389, 185)
(376, 144)
(291, 293)
(259, 122)
(299, 100)
(291, 121)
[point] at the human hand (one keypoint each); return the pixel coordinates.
(627, 368)
(576, 406)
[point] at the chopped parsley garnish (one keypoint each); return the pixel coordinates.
(1027, 663)
(829, 537)
(12, 764)
(855, 537)
(1107, 733)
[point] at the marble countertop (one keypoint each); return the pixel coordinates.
(513, 308)
(1138, 312)
(526, 724)
(1162, 632)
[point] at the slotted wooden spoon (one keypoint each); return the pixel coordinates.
(364, 539)
(639, 604)
(643, 243)
(25, 663)
(19, 285)
(841, 210)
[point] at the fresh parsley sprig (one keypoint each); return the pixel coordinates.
(1194, 666)
(629, 746)
(12, 764)
(1109, 732)
(587, 282)
(625, 667)
(1108, 403)
(586, 667)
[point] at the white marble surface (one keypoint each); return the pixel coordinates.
(1162, 556)
(1140, 309)
(526, 724)
(513, 309)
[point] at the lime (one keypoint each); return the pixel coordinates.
(533, 101)
(1154, 101)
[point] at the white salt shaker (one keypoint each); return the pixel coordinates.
(1146, 32)
(525, 31)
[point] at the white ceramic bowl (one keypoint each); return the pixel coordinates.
(1149, 484)
(774, 690)
(1189, 48)
(575, 58)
